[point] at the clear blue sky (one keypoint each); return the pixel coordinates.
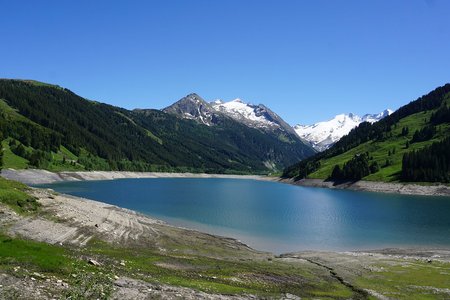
(307, 60)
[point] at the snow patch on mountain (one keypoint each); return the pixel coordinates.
(244, 112)
(193, 107)
(323, 135)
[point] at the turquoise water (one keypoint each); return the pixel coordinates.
(279, 217)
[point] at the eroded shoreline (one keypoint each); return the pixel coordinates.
(37, 176)
(375, 186)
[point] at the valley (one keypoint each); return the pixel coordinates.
(225, 150)
(62, 246)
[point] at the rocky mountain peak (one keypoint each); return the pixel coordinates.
(255, 116)
(192, 107)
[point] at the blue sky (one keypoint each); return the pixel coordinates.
(307, 60)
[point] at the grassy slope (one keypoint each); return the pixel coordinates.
(13, 161)
(380, 150)
(200, 273)
(411, 280)
(10, 160)
(14, 195)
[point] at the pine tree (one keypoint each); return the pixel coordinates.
(405, 131)
(429, 164)
(337, 173)
(374, 167)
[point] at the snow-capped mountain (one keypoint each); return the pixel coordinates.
(320, 136)
(372, 118)
(244, 112)
(257, 125)
(193, 107)
(255, 116)
(323, 135)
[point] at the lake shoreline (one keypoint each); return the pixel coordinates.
(199, 203)
(88, 215)
(73, 223)
(376, 186)
(38, 176)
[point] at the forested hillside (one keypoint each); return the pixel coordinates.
(408, 145)
(46, 126)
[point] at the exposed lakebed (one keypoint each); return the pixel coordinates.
(279, 217)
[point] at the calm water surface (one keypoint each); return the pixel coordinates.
(279, 217)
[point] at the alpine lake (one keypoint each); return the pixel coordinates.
(276, 217)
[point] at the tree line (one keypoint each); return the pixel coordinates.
(430, 164)
(355, 169)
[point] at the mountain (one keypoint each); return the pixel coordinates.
(193, 107)
(411, 144)
(323, 135)
(258, 117)
(50, 127)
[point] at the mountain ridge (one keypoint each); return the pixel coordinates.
(212, 113)
(411, 144)
(322, 135)
(52, 128)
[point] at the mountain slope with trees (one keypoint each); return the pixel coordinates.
(392, 149)
(46, 126)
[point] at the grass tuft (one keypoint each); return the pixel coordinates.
(14, 195)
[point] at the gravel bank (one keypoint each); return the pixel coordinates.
(35, 176)
(380, 187)
(75, 221)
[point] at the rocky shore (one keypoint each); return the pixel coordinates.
(36, 176)
(376, 186)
